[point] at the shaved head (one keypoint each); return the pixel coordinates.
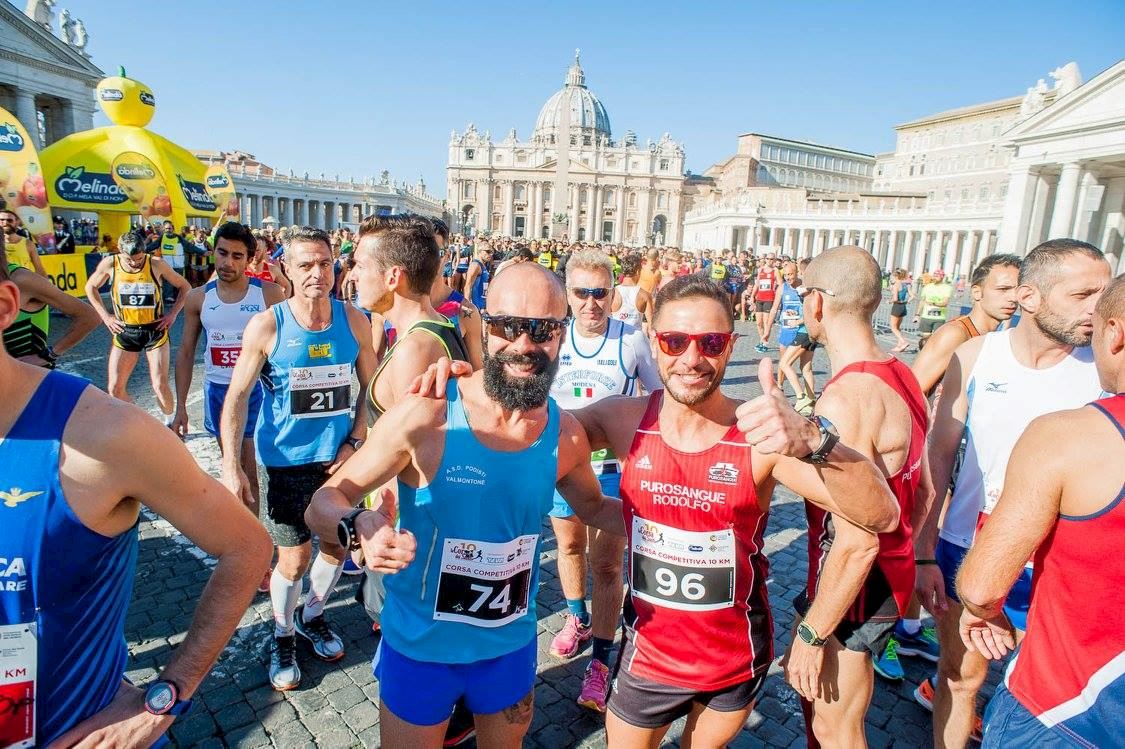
(852, 275)
(1112, 302)
(527, 290)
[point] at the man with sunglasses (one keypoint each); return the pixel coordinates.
(476, 475)
(598, 358)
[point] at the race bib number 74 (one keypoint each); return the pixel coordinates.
(484, 584)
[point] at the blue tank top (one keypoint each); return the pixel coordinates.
(792, 308)
(71, 584)
(306, 413)
(469, 594)
(477, 293)
(903, 292)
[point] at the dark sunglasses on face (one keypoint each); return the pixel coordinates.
(673, 343)
(584, 294)
(538, 329)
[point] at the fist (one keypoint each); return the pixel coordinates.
(770, 424)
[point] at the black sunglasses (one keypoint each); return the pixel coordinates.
(538, 329)
(584, 294)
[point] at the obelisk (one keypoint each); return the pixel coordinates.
(560, 194)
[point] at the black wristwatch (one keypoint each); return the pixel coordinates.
(163, 698)
(48, 355)
(828, 439)
(809, 636)
(345, 529)
(354, 443)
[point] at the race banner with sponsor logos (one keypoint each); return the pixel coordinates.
(21, 180)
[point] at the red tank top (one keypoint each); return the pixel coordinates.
(891, 581)
(697, 569)
(262, 275)
(1071, 666)
(767, 284)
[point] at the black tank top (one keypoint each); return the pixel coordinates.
(447, 335)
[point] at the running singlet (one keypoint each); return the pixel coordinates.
(464, 255)
(172, 247)
(903, 292)
(1004, 397)
(718, 271)
(1078, 689)
(306, 413)
(792, 311)
(263, 275)
(587, 377)
(477, 292)
(65, 589)
(697, 570)
(546, 259)
(766, 283)
(223, 325)
(892, 576)
(935, 301)
(136, 294)
(19, 252)
(469, 595)
(628, 313)
(446, 334)
(27, 335)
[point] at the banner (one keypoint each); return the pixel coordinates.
(220, 187)
(142, 182)
(70, 272)
(21, 180)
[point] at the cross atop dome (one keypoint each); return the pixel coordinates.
(575, 76)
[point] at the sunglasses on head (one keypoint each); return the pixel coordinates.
(673, 343)
(584, 294)
(538, 329)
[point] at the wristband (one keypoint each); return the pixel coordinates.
(921, 562)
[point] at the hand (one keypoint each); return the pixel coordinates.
(771, 425)
(385, 549)
(346, 451)
(803, 664)
(180, 423)
(929, 584)
(433, 382)
(235, 479)
(166, 322)
(993, 638)
(123, 723)
(115, 326)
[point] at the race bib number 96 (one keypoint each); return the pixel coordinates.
(678, 569)
(484, 584)
(320, 391)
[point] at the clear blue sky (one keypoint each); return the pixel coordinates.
(357, 87)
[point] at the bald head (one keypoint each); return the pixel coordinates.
(1112, 302)
(852, 275)
(527, 290)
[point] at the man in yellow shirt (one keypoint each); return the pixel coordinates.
(21, 250)
(933, 306)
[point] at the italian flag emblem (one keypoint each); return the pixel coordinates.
(583, 392)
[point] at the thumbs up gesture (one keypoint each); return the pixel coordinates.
(771, 425)
(385, 549)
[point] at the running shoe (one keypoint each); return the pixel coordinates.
(351, 568)
(804, 405)
(761, 348)
(595, 686)
(924, 696)
(326, 644)
(921, 644)
(285, 674)
(461, 726)
(264, 586)
(570, 637)
(888, 665)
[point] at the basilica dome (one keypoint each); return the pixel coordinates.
(586, 111)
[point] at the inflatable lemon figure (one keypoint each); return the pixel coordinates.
(126, 101)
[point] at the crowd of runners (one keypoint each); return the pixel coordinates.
(420, 402)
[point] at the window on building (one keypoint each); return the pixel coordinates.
(583, 196)
(661, 199)
(521, 158)
(499, 158)
(664, 165)
(632, 200)
(984, 192)
(585, 140)
(470, 154)
(546, 197)
(948, 195)
(1003, 191)
(519, 192)
(497, 193)
(608, 199)
(964, 194)
(469, 190)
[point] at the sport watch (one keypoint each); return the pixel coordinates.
(345, 529)
(809, 636)
(163, 698)
(828, 439)
(354, 443)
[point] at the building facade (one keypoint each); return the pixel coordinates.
(769, 161)
(604, 190)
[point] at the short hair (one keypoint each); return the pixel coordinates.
(127, 243)
(590, 259)
(1112, 301)
(852, 275)
(630, 265)
(441, 229)
(297, 234)
(406, 241)
(999, 260)
(232, 231)
(692, 286)
(1040, 267)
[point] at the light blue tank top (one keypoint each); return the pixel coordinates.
(477, 292)
(306, 413)
(792, 307)
(61, 579)
(469, 594)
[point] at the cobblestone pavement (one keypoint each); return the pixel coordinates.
(337, 704)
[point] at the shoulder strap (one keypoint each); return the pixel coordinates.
(1114, 409)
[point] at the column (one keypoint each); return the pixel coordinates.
(951, 254)
(1017, 211)
(907, 257)
(599, 196)
(968, 254)
(644, 223)
(328, 209)
(591, 217)
(509, 217)
(801, 243)
(888, 261)
(619, 216)
(572, 214)
(1038, 219)
(535, 214)
(268, 211)
(316, 210)
(26, 114)
(1113, 225)
(984, 249)
(1089, 201)
(772, 233)
(485, 221)
(303, 211)
(1066, 199)
(923, 259)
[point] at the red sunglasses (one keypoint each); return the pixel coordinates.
(674, 343)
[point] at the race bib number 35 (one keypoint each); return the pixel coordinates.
(484, 584)
(678, 569)
(320, 391)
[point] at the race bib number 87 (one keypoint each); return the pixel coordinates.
(320, 391)
(484, 584)
(678, 569)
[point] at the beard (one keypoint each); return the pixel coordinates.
(691, 397)
(519, 393)
(1059, 329)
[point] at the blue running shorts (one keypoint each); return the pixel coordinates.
(214, 394)
(949, 558)
(611, 487)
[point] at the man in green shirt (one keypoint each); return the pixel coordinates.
(933, 306)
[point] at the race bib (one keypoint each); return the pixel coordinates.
(136, 294)
(17, 685)
(678, 569)
(320, 391)
(765, 284)
(790, 318)
(225, 348)
(484, 584)
(930, 310)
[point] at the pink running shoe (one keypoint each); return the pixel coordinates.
(570, 638)
(595, 686)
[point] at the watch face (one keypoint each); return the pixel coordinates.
(160, 698)
(342, 534)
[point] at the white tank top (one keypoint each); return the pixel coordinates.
(1004, 397)
(628, 313)
(223, 325)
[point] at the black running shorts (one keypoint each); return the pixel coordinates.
(137, 338)
(288, 493)
(870, 636)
